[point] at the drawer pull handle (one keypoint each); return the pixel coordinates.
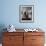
(33, 39)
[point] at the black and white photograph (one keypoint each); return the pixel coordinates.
(26, 13)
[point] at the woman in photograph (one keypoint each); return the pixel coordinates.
(26, 15)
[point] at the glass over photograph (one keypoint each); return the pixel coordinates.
(26, 13)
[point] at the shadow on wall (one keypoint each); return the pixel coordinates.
(2, 26)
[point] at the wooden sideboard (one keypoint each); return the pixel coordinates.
(23, 39)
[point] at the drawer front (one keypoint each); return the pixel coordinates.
(33, 40)
(27, 41)
(37, 39)
(13, 33)
(37, 44)
(34, 33)
(12, 39)
(12, 44)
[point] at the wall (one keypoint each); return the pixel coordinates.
(9, 13)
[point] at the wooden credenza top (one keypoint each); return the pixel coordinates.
(25, 33)
(22, 30)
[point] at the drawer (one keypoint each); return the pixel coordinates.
(13, 33)
(12, 38)
(37, 44)
(13, 41)
(27, 41)
(9, 45)
(34, 33)
(18, 44)
(27, 37)
(37, 39)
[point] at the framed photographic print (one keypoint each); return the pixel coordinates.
(26, 13)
